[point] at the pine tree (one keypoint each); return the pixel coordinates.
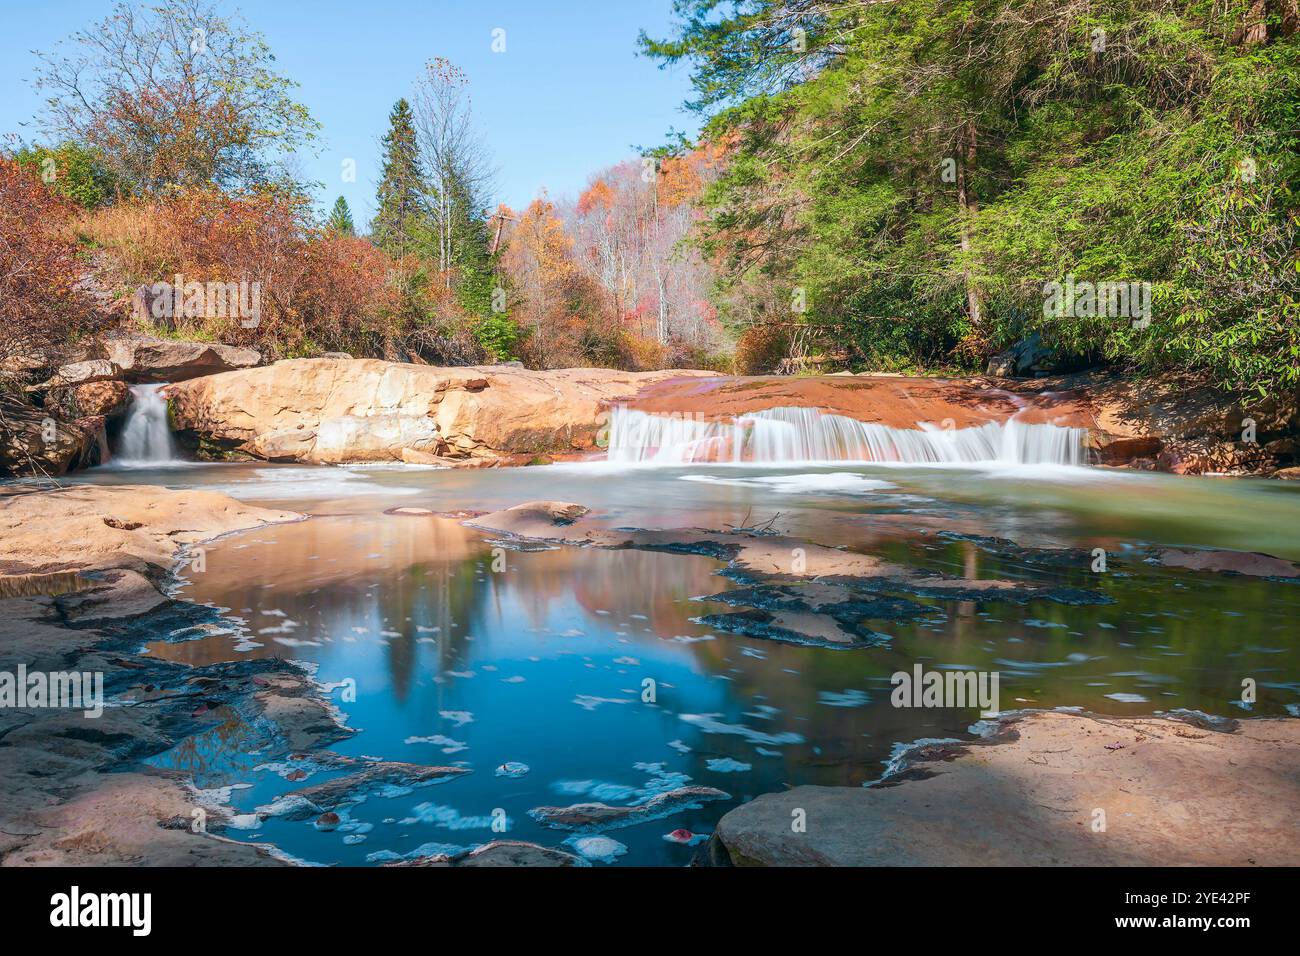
(402, 208)
(340, 219)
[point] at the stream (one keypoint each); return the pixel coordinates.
(528, 663)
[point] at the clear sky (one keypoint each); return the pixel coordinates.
(568, 96)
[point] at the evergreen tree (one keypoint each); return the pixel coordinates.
(402, 212)
(340, 219)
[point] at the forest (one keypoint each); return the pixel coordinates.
(885, 186)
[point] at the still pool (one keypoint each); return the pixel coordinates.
(568, 675)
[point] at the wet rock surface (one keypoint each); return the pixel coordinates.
(511, 853)
(1235, 562)
(596, 817)
(354, 788)
(1046, 789)
(797, 592)
(83, 567)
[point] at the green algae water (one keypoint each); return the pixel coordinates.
(528, 664)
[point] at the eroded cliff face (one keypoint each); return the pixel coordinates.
(365, 410)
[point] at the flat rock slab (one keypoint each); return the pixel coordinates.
(355, 788)
(137, 527)
(1238, 562)
(594, 817)
(511, 853)
(1036, 794)
(335, 411)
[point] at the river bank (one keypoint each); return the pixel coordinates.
(222, 405)
(85, 575)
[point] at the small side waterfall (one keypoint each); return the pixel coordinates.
(146, 439)
(808, 434)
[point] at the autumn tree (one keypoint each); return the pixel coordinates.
(39, 269)
(173, 95)
(630, 228)
(539, 259)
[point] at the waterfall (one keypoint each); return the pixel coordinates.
(809, 434)
(146, 439)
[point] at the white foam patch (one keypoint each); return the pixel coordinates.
(308, 482)
(598, 849)
(814, 483)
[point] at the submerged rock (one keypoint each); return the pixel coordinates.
(512, 853)
(355, 788)
(593, 817)
(816, 614)
(793, 627)
(1238, 562)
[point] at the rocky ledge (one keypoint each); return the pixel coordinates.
(80, 591)
(1047, 789)
(336, 411)
(1165, 423)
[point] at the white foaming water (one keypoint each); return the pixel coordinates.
(146, 440)
(835, 483)
(308, 483)
(777, 435)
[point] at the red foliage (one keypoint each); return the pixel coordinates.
(39, 269)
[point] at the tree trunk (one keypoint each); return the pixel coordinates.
(1290, 10)
(969, 206)
(1253, 30)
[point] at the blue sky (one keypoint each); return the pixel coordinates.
(567, 97)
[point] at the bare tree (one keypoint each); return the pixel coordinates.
(460, 171)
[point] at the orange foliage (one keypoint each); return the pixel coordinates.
(39, 268)
(317, 292)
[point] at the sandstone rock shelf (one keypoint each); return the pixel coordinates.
(335, 411)
(1048, 789)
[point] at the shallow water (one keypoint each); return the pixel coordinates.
(541, 661)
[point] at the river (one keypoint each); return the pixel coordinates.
(529, 663)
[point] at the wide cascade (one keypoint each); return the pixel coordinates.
(146, 439)
(809, 434)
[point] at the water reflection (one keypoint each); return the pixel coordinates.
(544, 663)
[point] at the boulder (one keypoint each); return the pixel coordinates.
(364, 410)
(91, 398)
(80, 373)
(148, 359)
(1026, 358)
(33, 441)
